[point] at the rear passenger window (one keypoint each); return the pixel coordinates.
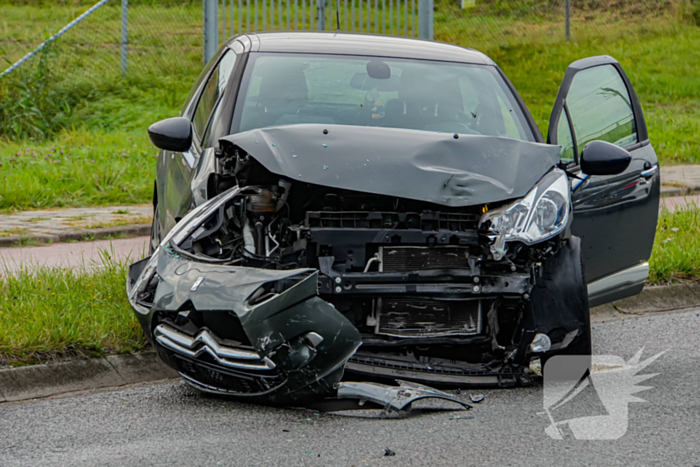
(213, 91)
(600, 108)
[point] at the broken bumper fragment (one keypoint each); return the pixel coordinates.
(393, 397)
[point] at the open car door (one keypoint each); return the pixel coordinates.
(615, 215)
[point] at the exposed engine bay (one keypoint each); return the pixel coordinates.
(277, 287)
(398, 269)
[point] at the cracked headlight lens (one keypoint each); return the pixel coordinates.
(540, 215)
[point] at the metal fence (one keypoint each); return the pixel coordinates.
(106, 39)
(130, 36)
(486, 24)
(395, 17)
(143, 37)
(411, 18)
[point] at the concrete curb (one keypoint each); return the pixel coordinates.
(37, 381)
(78, 235)
(32, 382)
(655, 299)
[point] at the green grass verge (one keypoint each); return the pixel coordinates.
(66, 312)
(676, 254)
(78, 168)
(85, 108)
(61, 312)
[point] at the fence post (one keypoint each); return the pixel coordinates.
(125, 34)
(211, 29)
(425, 19)
(223, 19)
(321, 14)
(567, 15)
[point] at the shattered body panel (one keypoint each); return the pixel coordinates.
(427, 166)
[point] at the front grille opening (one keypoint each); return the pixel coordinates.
(426, 221)
(413, 258)
(426, 317)
(239, 382)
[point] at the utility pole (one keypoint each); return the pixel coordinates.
(425, 19)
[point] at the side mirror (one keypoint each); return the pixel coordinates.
(172, 134)
(603, 158)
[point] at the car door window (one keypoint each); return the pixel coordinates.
(600, 108)
(212, 92)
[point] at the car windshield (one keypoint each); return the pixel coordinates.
(288, 89)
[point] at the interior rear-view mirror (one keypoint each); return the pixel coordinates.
(172, 134)
(603, 158)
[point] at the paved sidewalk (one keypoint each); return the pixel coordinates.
(82, 255)
(678, 202)
(74, 224)
(680, 179)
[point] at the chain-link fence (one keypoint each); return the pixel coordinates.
(148, 36)
(166, 36)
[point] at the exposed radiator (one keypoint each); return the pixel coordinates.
(421, 317)
(407, 258)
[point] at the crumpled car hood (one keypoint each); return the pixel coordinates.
(420, 165)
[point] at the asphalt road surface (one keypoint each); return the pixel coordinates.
(172, 425)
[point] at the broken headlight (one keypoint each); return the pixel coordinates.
(540, 215)
(194, 219)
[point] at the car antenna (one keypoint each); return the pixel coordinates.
(337, 15)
